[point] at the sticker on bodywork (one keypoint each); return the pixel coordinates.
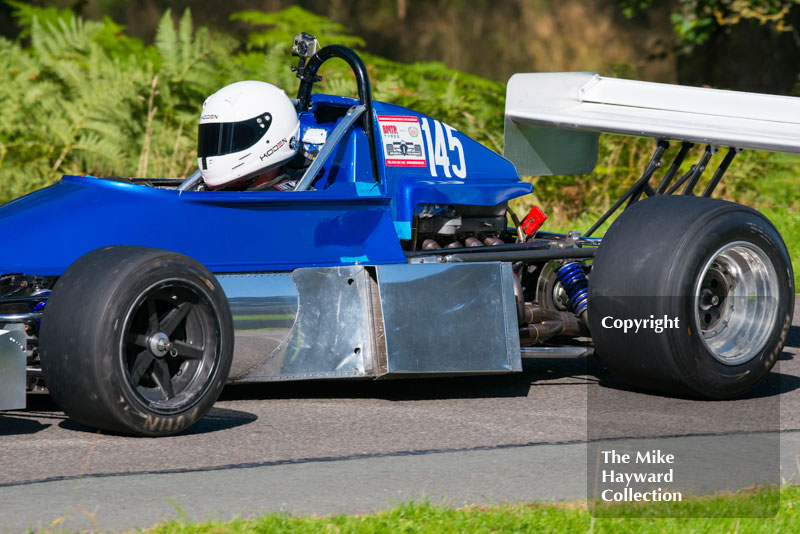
(401, 138)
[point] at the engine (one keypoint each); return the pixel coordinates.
(454, 226)
(551, 294)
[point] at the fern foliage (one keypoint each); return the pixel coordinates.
(81, 97)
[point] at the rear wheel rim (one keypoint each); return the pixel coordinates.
(736, 302)
(169, 346)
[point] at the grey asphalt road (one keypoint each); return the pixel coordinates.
(353, 447)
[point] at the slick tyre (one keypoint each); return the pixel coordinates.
(718, 271)
(136, 340)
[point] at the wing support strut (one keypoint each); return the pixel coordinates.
(690, 178)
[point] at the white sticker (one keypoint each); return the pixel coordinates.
(315, 136)
(402, 141)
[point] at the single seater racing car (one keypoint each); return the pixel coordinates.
(393, 257)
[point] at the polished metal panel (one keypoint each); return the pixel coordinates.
(19, 317)
(389, 320)
(449, 318)
(332, 336)
(12, 370)
(510, 317)
(311, 323)
(556, 352)
(264, 308)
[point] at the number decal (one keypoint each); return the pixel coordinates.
(440, 146)
(426, 132)
(455, 144)
(441, 152)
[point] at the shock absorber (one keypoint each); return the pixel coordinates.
(574, 282)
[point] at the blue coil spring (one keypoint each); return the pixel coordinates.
(574, 282)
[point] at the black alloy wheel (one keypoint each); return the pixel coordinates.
(168, 347)
(136, 340)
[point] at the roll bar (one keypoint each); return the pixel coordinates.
(308, 76)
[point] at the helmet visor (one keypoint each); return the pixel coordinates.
(220, 138)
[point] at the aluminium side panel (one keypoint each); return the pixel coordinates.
(449, 318)
(374, 321)
(308, 324)
(12, 372)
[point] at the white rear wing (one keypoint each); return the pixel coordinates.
(553, 120)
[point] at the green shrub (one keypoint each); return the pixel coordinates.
(83, 98)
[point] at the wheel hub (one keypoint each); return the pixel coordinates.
(711, 301)
(736, 302)
(159, 344)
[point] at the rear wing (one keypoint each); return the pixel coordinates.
(553, 120)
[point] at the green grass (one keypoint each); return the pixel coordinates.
(524, 518)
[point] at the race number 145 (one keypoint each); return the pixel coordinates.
(440, 146)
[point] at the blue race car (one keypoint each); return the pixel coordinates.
(392, 257)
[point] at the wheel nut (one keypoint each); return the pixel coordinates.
(160, 344)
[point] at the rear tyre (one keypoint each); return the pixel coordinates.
(136, 340)
(721, 269)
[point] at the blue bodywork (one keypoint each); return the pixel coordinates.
(348, 218)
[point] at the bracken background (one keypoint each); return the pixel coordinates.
(114, 87)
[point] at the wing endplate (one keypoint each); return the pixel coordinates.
(553, 119)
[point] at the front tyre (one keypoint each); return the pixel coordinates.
(136, 340)
(719, 268)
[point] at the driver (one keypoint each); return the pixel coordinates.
(248, 138)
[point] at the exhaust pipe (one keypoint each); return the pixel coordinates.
(430, 244)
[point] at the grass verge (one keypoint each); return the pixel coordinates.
(524, 518)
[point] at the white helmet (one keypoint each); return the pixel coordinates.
(246, 128)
